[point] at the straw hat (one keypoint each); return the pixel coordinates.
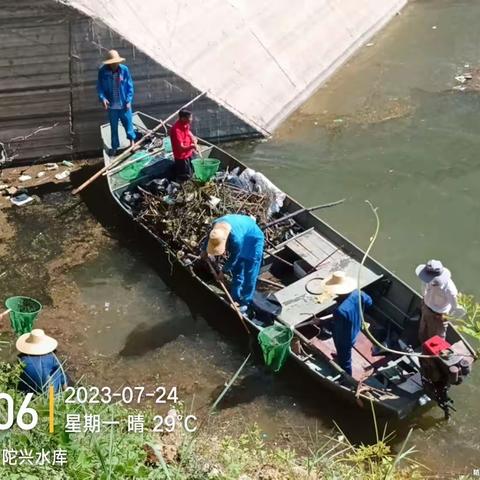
(217, 240)
(113, 57)
(339, 283)
(36, 343)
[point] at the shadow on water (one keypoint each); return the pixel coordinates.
(145, 338)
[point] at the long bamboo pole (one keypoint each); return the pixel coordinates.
(127, 152)
(302, 210)
(227, 293)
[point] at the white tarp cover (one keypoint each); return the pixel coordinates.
(259, 58)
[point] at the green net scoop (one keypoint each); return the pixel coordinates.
(275, 344)
(23, 313)
(133, 170)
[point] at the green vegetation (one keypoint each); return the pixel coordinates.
(114, 453)
(470, 324)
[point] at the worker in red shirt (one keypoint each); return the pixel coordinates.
(184, 145)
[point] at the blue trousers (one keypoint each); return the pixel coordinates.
(125, 116)
(245, 274)
(344, 354)
(342, 338)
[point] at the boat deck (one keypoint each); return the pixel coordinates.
(363, 362)
(297, 301)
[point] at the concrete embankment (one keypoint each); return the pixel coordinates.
(259, 60)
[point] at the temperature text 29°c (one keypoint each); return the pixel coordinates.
(126, 395)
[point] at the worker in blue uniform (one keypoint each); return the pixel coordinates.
(242, 239)
(347, 320)
(41, 365)
(115, 92)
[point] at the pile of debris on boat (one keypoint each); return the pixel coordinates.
(182, 214)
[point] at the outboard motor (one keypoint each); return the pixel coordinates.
(440, 373)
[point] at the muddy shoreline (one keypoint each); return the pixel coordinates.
(46, 241)
(40, 243)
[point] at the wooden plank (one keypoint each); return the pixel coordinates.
(311, 247)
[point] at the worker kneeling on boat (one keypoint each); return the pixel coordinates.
(41, 365)
(242, 239)
(347, 320)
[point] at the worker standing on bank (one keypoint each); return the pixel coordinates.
(41, 365)
(242, 239)
(115, 91)
(439, 299)
(184, 145)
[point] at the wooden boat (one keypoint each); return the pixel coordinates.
(393, 382)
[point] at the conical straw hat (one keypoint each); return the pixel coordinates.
(113, 57)
(339, 283)
(36, 343)
(217, 240)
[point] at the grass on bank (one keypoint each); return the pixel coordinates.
(115, 453)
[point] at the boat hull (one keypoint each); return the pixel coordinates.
(398, 303)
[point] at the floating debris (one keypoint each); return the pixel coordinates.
(62, 175)
(24, 178)
(468, 80)
(21, 199)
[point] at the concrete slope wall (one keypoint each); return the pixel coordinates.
(34, 78)
(49, 58)
(158, 91)
(258, 58)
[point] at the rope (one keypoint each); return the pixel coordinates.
(364, 325)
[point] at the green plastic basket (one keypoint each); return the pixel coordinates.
(23, 313)
(275, 343)
(205, 168)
